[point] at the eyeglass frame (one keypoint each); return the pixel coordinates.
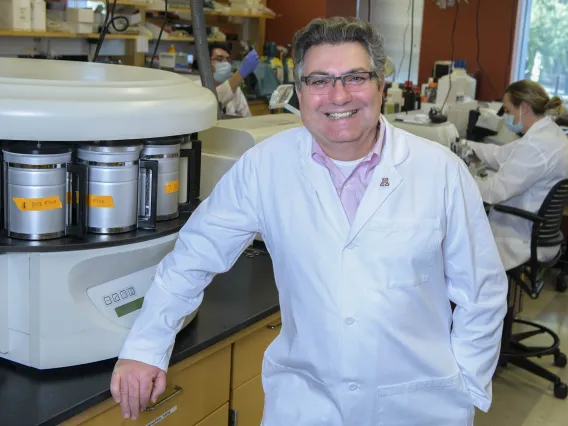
(221, 58)
(371, 75)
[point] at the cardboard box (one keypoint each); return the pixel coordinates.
(79, 15)
(15, 15)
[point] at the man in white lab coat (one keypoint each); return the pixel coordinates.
(372, 232)
(525, 169)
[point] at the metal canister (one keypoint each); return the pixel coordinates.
(35, 189)
(112, 186)
(166, 151)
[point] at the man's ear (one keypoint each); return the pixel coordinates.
(299, 94)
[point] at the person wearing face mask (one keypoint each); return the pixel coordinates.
(229, 93)
(525, 169)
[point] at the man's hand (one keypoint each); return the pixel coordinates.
(134, 383)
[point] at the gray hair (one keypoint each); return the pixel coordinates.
(335, 31)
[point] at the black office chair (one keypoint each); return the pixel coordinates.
(528, 278)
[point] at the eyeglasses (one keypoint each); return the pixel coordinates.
(353, 82)
(221, 58)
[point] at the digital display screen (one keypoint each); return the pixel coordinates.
(129, 307)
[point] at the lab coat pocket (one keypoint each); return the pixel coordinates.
(402, 252)
(437, 402)
(296, 397)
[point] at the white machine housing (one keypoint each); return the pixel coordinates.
(443, 133)
(76, 305)
(224, 143)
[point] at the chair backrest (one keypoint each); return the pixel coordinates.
(552, 209)
(546, 234)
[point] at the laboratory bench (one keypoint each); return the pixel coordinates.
(214, 371)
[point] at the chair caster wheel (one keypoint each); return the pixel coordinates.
(560, 359)
(561, 285)
(560, 390)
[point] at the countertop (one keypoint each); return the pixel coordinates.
(232, 302)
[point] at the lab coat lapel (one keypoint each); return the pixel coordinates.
(319, 180)
(386, 179)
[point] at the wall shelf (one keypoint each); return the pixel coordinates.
(55, 34)
(233, 14)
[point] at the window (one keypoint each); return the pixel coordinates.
(541, 52)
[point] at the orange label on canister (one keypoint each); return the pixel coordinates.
(37, 204)
(171, 187)
(101, 201)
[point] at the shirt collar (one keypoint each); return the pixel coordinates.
(373, 155)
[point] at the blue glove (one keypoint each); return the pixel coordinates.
(249, 63)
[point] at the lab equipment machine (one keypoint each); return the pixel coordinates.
(418, 123)
(224, 143)
(100, 169)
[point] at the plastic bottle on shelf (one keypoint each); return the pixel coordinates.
(394, 93)
(459, 81)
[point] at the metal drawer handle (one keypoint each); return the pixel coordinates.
(273, 327)
(177, 391)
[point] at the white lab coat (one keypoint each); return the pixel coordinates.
(235, 103)
(527, 169)
(367, 335)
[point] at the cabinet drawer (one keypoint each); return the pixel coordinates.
(248, 402)
(191, 394)
(249, 351)
(218, 418)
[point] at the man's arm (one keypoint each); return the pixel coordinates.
(476, 283)
(209, 243)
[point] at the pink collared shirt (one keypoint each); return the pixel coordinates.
(352, 188)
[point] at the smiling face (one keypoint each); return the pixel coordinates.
(344, 122)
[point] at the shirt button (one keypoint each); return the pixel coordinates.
(353, 386)
(349, 320)
(352, 246)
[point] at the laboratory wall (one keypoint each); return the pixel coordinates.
(393, 20)
(295, 14)
(497, 21)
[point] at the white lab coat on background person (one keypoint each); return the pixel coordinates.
(367, 332)
(233, 103)
(526, 171)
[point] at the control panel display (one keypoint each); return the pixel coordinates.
(129, 307)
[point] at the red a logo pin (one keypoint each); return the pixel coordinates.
(385, 181)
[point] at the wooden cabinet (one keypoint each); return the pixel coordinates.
(247, 403)
(217, 418)
(194, 390)
(248, 352)
(202, 390)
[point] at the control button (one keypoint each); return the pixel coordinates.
(130, 291)
(107, 300)
(349, 320)
(115, 297)
(123, 294)
(353, 386)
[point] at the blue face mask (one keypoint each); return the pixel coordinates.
(509, 122)
(223, 72)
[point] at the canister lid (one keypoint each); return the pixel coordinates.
(36, 153)
(169, 140)
(36, 147)
(109, 152)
